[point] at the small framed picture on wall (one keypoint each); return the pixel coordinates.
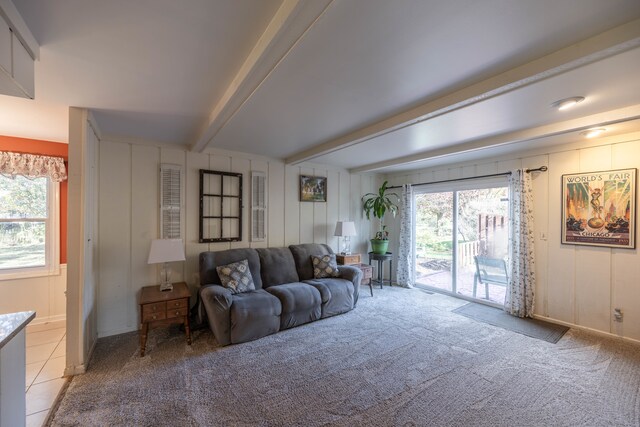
(599, 208)
(313, 188)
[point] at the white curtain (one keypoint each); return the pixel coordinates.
(32, 166)
(405, 274)
(519, 298)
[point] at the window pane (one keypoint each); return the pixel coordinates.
(21, 197)
(22, 244)
(434, 239)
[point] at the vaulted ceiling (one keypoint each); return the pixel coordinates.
(362, 84)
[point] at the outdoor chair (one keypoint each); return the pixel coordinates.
(489, 271)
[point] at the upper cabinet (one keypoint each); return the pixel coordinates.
(5, 46)
(18, 51)
(23, 67)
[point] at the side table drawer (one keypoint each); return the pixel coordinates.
(176, 303)
(176, 312)
(151, 316)
(158, 307)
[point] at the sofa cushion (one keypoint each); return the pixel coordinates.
(277, 266)
(210, 260)
(300, 304)
(254, 315)
(236, 277)
(302, 256)
(337, 295)
(324, 266)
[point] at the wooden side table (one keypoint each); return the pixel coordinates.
(163, 308)
(351, 259)
(354, 260)
(367, 274)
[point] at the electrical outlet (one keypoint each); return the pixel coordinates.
(617, 315)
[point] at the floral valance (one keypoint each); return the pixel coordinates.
(32, 166)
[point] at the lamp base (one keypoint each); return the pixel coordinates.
(166, 287)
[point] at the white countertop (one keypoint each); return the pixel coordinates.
(12, 323)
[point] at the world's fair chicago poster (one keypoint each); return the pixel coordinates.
(599, 208)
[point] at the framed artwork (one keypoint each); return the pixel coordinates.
(599, 208)
(313, 188)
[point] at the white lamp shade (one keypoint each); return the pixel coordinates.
(166, 250)
(345, 228)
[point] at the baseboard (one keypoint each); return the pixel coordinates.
(85, 366)
(48, 319)
(70, 371)
(586, 329)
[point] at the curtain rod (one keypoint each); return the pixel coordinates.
(540, 169)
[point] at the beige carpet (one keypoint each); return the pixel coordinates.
(401, 358)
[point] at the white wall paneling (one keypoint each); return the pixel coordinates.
(320, 223)
(593, 264)
(44, 295)
(145, 172)
(307, 211)
(291, 205)
(116, 296)
(277, 224)
(625, 263)
(195, 162)
(577, 285)
(128, 210)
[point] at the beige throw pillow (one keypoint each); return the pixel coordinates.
(324, 266)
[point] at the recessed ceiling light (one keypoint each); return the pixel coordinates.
(592, 133)
(566, 103)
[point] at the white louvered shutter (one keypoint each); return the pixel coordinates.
(170, 199)
(258, 206)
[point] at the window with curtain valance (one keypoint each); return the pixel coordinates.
(29, 214)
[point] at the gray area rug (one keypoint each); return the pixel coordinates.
(401, 358)
(533, 328)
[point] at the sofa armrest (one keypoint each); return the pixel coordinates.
(217, 301)
(354, 275)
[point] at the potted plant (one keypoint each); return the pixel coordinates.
(378, 205)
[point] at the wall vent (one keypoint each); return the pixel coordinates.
(170, 201)
(258, 206)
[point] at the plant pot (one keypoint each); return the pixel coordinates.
(379, 246)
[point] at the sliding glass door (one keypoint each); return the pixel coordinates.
(461, 238)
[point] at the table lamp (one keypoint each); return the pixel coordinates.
(345, 229)
(166, 251)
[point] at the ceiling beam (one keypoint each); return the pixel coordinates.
(288, 26)
(604, 45)
(576, 125)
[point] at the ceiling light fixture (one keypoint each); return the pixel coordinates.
(567, 103)
(592, 133)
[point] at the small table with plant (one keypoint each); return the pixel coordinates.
(379, 204)
(381, 258)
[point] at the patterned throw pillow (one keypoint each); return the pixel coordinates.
(324, 266)
(236, 277)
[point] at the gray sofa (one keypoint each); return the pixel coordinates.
(286, 295)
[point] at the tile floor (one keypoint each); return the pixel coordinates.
(46, 345)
